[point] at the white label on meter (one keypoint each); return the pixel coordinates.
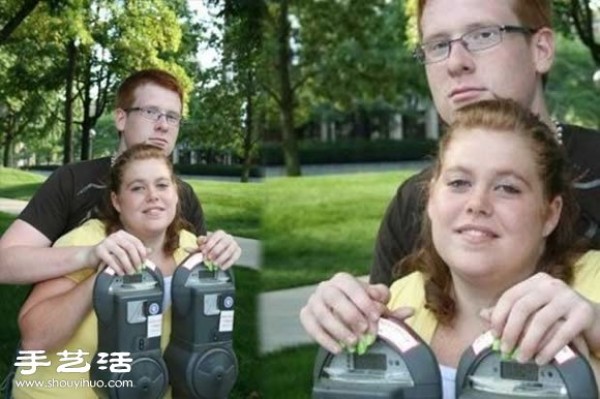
(154, 325)
(226, 321)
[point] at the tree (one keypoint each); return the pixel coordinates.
(339, 52)
(584, 16)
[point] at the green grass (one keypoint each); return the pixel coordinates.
(233, 207)
(17, 184)
(295, 384)
(11, 299)
(315, 226)
(245, 335)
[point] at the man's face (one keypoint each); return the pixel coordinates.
(137, 128)
(511, 69)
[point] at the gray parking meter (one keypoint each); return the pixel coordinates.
(398, 365)
(129, 312)
(200, 356)
(484, 373)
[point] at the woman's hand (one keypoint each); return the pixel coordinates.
(540, 316)
(121, 251)
(343, 309)
(219, 248)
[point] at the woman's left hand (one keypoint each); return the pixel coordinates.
(220, 248)
(540, 316)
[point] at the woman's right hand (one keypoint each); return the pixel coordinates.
(342, 309)
(121, 251)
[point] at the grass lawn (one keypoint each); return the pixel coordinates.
(315, 226)
(17, 184)
(295, 384)
(233, 207)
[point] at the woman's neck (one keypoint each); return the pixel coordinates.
(471, 299)
(155, 245)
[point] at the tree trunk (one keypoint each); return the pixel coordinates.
(8, 153)
(290, 146)
(248, 128)
(584, 21)
(86, 124)
(68, 136)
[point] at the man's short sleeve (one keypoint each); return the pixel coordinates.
(399, 229)
(48, 209)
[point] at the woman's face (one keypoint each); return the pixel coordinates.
(489, 217)
(147, 198)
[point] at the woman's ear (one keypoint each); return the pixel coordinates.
(543, 47)
(553, 213)
(115, 201)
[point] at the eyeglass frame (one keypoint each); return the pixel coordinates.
(419, 52)
(145, 111)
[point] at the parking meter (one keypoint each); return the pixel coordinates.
(484, 373)
(129, 312)
(200, 356)
(398, 365)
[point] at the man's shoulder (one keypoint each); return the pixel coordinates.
(581, 145)
(580, 131)
(578, 138)
(91, 167)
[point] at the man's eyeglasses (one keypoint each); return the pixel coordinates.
(154, 114)
(474, 40)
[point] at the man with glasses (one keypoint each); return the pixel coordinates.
(472, 50)
(148, 109)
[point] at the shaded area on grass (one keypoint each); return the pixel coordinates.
(17, 184)
(316, 226)
(294, 384)
(245, 334)
(19, 191)
(233, 207)
(11, 299)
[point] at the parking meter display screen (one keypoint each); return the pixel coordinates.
(518, 371)
(370, 361)
(132, 278)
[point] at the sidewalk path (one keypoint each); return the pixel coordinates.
(278, 318)
(278, 321)
(251, 249)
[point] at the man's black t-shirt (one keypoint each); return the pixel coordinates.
(399, 230)
(74, 193)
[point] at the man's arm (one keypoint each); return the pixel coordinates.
(399, 230)
(26, 256)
